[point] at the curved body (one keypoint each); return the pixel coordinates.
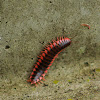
(46, 59)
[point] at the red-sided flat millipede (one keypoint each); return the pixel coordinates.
(46, 59)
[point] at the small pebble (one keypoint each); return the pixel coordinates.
(45, 85)
(86, 63)
(7, 47)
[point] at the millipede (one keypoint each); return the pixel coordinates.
(46, 58)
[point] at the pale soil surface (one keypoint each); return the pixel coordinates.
(26, 26)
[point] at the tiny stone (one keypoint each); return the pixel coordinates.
(7, 47)
(32, 58)
(86, 63)
(93, 70)
(50, 2)
(55, 91)
(45, 85)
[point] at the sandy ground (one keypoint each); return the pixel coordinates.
(26, 26)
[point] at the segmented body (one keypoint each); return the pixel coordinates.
(46, 59)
